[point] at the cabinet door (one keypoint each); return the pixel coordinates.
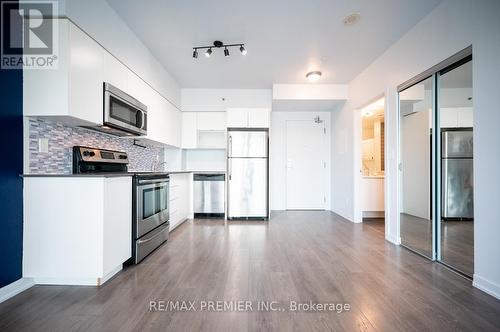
(115, 72)
(211, 120)
(259, 118)
(189, 130)
(85, 77)
(237, 118)
(465, 117)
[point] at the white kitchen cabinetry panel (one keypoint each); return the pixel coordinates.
(181, 185)
(115, 72)
(64, 247)
(465, 117)
(164, 120)
(259, 118)
(211, 120)
(189, 130)
(85, 76)
(237, 118)
(456, 117)
(72, 92)
(248, 118)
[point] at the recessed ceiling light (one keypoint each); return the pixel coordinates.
(351, 19)
(313, 76)
(367, 113)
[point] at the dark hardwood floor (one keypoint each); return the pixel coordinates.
(297, 256)
(457, 241)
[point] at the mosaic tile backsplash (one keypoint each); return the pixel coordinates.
(62, 139)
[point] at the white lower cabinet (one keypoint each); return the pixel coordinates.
(77, 230)
(180, 195)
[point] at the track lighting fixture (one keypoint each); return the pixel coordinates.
(218, 44)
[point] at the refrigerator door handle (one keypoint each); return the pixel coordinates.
(230, 149)
(444, 194)
(229, 170)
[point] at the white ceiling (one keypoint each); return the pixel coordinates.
(284, 38)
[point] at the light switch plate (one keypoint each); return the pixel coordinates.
(43, 145)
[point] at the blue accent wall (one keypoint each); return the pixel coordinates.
(11, 166)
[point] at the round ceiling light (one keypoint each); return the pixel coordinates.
(351, 19)
(313, 76)
(367, 113)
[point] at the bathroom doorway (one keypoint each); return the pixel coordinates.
(373, 162)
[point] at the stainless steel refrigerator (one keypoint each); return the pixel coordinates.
(457, 174)
(247, 174)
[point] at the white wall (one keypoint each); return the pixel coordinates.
(204, 160)
(342, 156)
(451, 27)
(103, 24)
(199, 100)
(416, 154)
(277, 154)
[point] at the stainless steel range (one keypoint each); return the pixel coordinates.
(150, 206)
(150, 227)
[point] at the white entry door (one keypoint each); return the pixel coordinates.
(305, 165)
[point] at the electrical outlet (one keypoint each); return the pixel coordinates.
(43, 145)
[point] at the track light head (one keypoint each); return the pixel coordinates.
(195, 53)
(208, 53)
(226, 52)
(243, 50)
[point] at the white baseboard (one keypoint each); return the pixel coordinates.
(486, 286)
(373, 214)
(110, 274)
(15, 288)
(393, 239)
(78, 281)
(343, 216)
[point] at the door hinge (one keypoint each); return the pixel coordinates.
(324, 130)
(324, 199)
(324, 164)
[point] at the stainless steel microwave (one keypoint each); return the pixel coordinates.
(123, 114)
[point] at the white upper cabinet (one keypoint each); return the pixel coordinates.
(248, 118)
(259, 118)
(237, 118)
(189, 130)
(456, 117)
(74, 90)
(211, 120)
(85, 76)
(203, 130)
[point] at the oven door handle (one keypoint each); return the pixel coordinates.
(141, 182)
(160, 232)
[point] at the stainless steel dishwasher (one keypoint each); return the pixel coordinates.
(209, 195)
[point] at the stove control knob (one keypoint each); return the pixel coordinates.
(86, 153)
(122, 156)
